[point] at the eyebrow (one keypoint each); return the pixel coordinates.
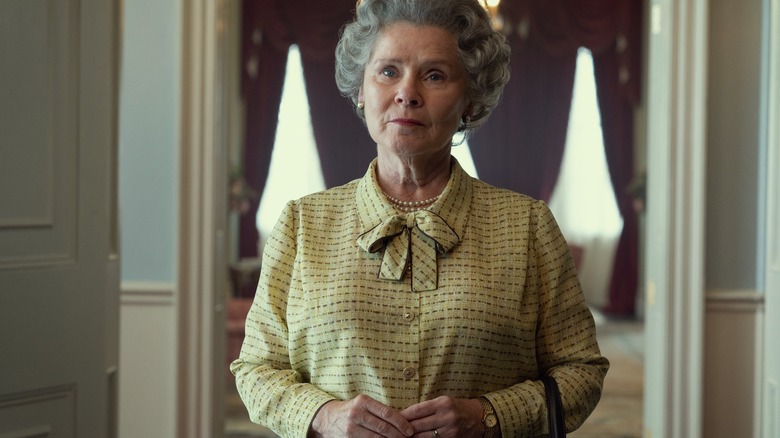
(427, 63)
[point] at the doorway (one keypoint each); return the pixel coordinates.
(580, 186)
(673, 319)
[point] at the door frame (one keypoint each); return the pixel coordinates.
(676, 198)
(769, 388)
(202, 265)
(674, 325)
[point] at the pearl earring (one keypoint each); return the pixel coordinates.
(361, 105)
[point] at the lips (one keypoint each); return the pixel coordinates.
(407, 122)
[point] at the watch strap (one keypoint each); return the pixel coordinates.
(489, 418)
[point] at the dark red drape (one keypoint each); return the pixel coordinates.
(617, 125)
(344, 145)
(617, 87)
(521, 146)
(262, 77)
(269, 28)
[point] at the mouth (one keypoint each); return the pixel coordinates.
(406, 122)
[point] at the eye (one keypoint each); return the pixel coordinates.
(388, 72)
(436, 77)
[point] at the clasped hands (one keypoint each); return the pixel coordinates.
(442, 417)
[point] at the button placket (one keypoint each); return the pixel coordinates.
(407, 368)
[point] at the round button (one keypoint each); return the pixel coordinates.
(409, 372)
(409, 316)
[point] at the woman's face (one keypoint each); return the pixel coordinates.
(414, 90)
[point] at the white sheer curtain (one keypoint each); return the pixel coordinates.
(295, 165)
(583, 200)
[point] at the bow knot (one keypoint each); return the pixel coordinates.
(414, 239)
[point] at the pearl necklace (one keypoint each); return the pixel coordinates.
(411, 206)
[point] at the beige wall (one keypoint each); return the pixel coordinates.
(147, 353)
(149, 137)
(734, 303)
(732, 374)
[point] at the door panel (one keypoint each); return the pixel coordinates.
(58, 263)
(40, 413)
(38, 128)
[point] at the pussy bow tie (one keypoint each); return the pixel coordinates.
(421, 235)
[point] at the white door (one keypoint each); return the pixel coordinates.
(58, 233)
(771, 387)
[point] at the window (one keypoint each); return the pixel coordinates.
(295, 165)
(583, 200)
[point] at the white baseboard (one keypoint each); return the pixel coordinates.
(147, 293)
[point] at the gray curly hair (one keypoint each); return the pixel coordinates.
(482, 50)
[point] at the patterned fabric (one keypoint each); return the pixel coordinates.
(507, 306)
(411, 240)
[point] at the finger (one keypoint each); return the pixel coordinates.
(427, 416)
(420, 410)
(446, 415)
(439, 433)
(387, 421)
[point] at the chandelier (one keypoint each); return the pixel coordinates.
(492, 7)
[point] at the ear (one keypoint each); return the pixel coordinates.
(469, 111)
(360, 94)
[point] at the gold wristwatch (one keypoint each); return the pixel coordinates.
(489, 418)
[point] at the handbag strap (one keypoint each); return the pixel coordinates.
(555, 417)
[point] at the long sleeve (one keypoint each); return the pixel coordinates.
(566, 346)
(275, 394)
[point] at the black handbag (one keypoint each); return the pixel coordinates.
(554, 408)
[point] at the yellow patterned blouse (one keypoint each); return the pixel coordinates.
(331, 319)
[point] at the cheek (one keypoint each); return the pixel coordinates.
(373, 124)
(371, 114)
(374, 110)
(450, 109)
(450, 115)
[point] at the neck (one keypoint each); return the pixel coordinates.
(413, 178)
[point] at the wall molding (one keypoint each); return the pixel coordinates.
(147, 293)
(734, 300)
(734, 326)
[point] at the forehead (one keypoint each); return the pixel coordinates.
(406, 41)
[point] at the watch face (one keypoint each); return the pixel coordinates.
(491, 420)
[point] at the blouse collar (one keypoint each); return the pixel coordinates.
(453, 204)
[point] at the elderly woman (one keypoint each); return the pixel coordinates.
(417, 300)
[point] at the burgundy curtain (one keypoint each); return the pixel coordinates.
(264, 59)
(617, 125)
(344, 145)
(521, 146)
(617, 87)
(269, 27)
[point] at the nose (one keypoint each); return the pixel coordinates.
(407, 93)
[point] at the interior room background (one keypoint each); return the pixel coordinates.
(564, 131)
